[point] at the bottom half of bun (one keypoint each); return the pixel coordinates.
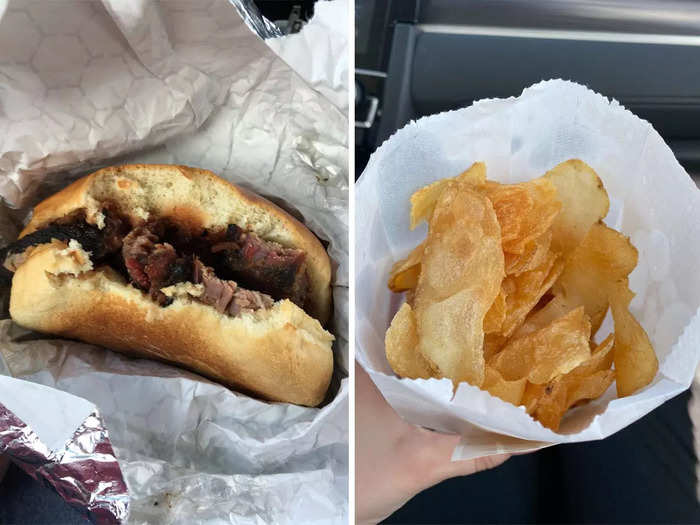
(279, 354)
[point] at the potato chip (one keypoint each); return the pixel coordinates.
(523, 291)
(401, 346)
(496, 314)
(461, 272)
(604, 256)
(555, 308)
(493, 343)
(548, 352)
(548, 403)
(475, 175)
(423, 201)
(635, 360)
(589, 387)
(535, 254)
(532, 396)
(512, 203)
(525, 211)
(404, 273)
(565, 392)
(584, 203)
(601, 358)
(509, 391)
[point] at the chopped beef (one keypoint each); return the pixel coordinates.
(153, 265)
(248, 300)
(264, 265)
(227, 296)
(136, 248)
(159, 254)
(99, 243)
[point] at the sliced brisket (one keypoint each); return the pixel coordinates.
(153, 265)
(159, 254)
(227, 296)
(264, 265)
(99, 242)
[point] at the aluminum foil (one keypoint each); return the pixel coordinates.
(254, 20)
(174, 82)
(85, 473)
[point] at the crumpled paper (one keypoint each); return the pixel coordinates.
(325, 38)
(84, 85)
(653, 201)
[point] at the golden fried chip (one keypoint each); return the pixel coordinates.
(532, 396)
(423, 201)
(510, 391)
(461, 273)
(584, 202)
(475, 175)
(493, 343)
(589, 387)
(548, 403)
(512, 203)
(603, 257)
(567, 392)
(635, 360)
(525, 211)
(404, 273)
(522, 292)
(535, 254)
(401, 346)
(555, 308)
(548, 352)
(496, 314)
(601, 358)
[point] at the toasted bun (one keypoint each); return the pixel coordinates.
(281, 354)
(195, 199)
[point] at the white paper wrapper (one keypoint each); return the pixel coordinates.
(654, 201)
(84, 84)
(325, 38)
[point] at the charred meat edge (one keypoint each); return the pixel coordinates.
(144, 255)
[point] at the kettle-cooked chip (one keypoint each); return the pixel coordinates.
(604, 256)
(510, 391)
(535, 254)
(584, 202)
(404, 274)
(496, 314)
(525, 211)
(555, 308)
(461, 272)
(524, 291)
(635, 360)
(549, 402)
(542, 355)
(424, 200)
(401, 346)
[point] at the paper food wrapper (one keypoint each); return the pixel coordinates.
(323, 37)
(653, 201)
(87, 84)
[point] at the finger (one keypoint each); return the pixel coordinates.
(443, 446)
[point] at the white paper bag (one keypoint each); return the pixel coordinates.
(653, 200)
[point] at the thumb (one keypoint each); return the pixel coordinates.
(445, 445)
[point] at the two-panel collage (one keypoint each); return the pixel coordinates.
(348, 262)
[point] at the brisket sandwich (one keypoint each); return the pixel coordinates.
(174, 263)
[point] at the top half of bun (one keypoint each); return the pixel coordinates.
(195, 199)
